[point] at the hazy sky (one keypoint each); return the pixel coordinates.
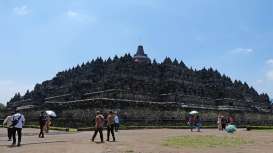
(40, 38)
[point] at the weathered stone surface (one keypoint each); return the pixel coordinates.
(150, 91)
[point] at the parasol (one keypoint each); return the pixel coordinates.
(193, 112)
(51, 113)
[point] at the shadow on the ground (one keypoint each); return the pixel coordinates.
(34, 143)
(35, 133)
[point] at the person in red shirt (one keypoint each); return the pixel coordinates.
(99, 126)
(231, 120)
(110, 125)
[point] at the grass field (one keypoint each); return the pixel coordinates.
(205, 141)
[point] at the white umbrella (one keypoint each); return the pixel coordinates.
(51, 113)
(193, 112)
(17, 114)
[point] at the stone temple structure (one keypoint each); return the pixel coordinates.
(140, 56)
(143, 93)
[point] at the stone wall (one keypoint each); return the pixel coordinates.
(81, 113)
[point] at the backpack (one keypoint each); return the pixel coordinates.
(15, 122)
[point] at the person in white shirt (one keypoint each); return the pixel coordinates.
(116, 120)
(7, 123)
(18, 121)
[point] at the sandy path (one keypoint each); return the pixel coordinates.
(129, 141)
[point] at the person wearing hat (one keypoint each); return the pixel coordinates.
(110, 126)
(99, 126)
(7, 123)
(18, 121)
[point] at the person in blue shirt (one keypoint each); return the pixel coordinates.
(18, 121)
(116, 122)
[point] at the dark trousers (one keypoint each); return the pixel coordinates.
(41, 134)
(9, 133)
(223, 126)
(110, 128)
(96, 132)
(19, 133)
(116, 127)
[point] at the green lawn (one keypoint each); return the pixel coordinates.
(205, 141)
(265, 130)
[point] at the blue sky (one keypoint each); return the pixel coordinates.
(40, 38)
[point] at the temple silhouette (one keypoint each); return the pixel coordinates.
(150, 93)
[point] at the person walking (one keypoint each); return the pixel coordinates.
(116, 119)
(7, 123)
(198, 123)
(99, 126)
(42, 123)
(223, 122)
(191, 122)
(48, 124)
(219, 124)
(18, 121)
(231, 120)
(110, 126)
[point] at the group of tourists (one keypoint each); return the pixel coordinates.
(224, 121)
(14, 124)
(112, 123)
(194, 121)
(44, 122)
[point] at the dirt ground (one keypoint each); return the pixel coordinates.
(130, 141)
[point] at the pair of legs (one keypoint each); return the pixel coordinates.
(9, 133)
(219, 126)
(96, 132)
(110, 128)
(198, 126)
(223, 126)
(19, 133)
(47, 127)
(116, 127)
(41, 134)
(192, 126)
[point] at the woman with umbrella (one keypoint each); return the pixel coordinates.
(50, 114)
(192, 122)
(42, 123)
(198, 122)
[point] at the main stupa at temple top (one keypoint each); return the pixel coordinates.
(140, 56)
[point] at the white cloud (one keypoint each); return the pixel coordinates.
(269, 75)
(80, 17)
(269, 72)
(242, 51)
(259, 81)
(22, 10)
(72, 14)
(199, 38)
(269, 62)
(6, 82)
